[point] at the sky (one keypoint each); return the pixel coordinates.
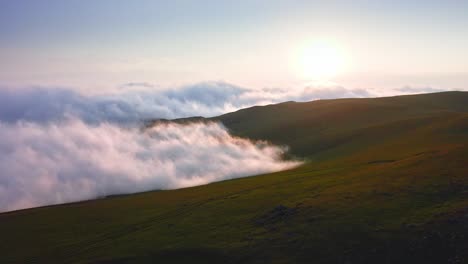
(102, 45)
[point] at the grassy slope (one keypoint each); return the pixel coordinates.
(386, 181)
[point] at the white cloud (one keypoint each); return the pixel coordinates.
(140, 101)
(415, 90)
(57, 145)
(42, 164)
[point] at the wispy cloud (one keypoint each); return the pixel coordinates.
(414, 90)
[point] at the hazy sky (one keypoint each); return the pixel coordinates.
(103, 44)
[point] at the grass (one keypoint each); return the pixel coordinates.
(386, 181)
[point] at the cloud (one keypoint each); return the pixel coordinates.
(412, 90)
(58, 145)
(141, 101)
(138, 84)
(42, 164)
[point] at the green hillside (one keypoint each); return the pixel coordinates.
(312, 127)
(385, 180)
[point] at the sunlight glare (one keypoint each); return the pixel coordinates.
(320, 61)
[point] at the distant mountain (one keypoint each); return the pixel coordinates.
(385, 180)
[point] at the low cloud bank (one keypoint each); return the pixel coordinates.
(141, 102)
(43, 164)
(135, 102)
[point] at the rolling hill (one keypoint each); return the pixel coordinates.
(384, 180)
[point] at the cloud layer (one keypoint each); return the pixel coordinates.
(42, 164)
(58, 145)
(141, 102)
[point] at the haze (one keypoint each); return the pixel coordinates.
(101, 45)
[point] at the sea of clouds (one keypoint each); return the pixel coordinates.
(142, 102)
(59, 145)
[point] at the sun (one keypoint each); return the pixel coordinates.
(320, 61)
